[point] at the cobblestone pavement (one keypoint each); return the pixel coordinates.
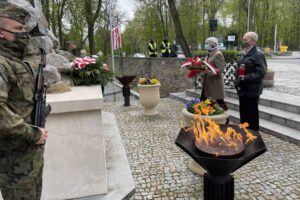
(287, 73)
(160, 170)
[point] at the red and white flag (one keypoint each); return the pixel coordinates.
(116, 38)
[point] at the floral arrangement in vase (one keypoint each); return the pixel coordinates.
(148, 81)
(209, 107)
(89, 71)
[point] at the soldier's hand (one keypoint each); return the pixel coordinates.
(44, 136)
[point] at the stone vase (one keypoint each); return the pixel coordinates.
(149, 98)
(188, 118)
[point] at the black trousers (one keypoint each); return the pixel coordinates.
(221, 102)
(249, 112)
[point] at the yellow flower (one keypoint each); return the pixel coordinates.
(147, 81)
(154, 81)
(207, 102)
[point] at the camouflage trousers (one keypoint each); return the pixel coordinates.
(30, 191)
(28, 187)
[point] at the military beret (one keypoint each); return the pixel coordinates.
(14, 12)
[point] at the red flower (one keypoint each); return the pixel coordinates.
(193, 72)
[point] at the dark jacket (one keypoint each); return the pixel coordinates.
(256, 68)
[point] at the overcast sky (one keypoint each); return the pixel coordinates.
(127, 6)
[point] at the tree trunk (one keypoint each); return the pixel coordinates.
(179, 34)
(60, 14)
(91, 20)
(91, 38)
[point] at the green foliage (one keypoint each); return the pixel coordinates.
(229, 55)
(200, 53)
(92, 74)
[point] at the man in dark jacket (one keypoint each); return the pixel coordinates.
(250, 85)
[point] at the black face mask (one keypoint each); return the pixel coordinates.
(245, 45)
(18, 46)
(18, 35)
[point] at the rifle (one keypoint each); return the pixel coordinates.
(41, 110)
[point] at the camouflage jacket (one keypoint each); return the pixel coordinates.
(16, 104)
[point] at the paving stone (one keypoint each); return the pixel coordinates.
(155, 159)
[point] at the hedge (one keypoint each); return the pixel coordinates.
(229, 55)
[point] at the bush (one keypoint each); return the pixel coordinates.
(229, 55)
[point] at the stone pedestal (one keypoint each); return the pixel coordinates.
(75, 163)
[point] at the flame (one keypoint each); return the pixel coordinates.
(208, 132)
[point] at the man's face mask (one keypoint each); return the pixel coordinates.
(21, 38)
(245, 45)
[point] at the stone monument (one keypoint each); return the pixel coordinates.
(56, 59)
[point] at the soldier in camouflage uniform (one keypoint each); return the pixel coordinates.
(21, 144)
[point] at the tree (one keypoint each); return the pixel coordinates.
(54, 13)
(179, 34)
(91, 16)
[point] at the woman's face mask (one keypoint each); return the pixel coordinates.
(207, 47)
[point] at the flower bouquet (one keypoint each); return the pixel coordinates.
(148, 81)
(198, 65)
(89, 71)
(207, 109)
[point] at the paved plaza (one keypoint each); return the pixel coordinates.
(287, 73)
(160, 168)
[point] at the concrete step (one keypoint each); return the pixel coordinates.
(196, 93)
(287, 102)
(180, 96)
(275, 129)
(282, 117)
(266, 125)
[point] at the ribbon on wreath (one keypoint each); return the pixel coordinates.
(195, 62)
(198, 63)
(80, 63)
(212, 68)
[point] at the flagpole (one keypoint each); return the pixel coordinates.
(112, 49)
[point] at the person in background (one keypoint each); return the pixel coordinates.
(173, 49)
(249, 80)
(72, 49)
(213, 85)
(152, 48)
(21, 143)
(165, 48)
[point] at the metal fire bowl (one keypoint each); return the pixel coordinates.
(126, 80)
(217, 165)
